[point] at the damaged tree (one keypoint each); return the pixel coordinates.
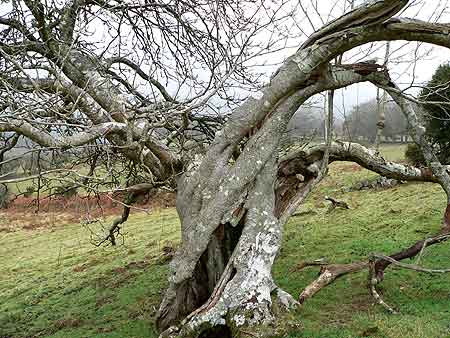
(234, 203)
(250, 194)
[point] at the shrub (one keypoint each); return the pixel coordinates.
(414, 155)
(437, 116)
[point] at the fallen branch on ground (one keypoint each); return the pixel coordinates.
(336, 204)
(414, 267)
(412, 251)
(304, 264)
(330, 272)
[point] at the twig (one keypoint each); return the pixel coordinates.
(372, 282)
(425, 244)
(410, 266)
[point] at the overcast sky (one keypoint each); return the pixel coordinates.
(411, 64)
(403, 68)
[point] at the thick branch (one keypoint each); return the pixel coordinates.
(298, 172)
(414, 267)
(369, 13)
(300, 162)
(417, 131)
(412, 251)
(328, 274)
(38, 11)
(10, 143)
(18, 26)
(69, 18)
(47, 140)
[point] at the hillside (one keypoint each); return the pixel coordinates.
(55, 283)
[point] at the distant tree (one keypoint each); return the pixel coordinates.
(307, 122)
(362, 121)
(437, 110)
(396, 123)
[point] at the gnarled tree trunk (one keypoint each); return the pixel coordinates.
(233, 208)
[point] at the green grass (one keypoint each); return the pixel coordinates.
(393, 152)
(379, 221)
(54, 283)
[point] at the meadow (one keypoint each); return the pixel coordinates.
(54, 283)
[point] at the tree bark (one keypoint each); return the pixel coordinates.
(251, 196)
(250, 192)
(440, 172)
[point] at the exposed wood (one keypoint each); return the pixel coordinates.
(371, 12)
(304, 264)
(328, 274)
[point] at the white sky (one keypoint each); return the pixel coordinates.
(403, 69)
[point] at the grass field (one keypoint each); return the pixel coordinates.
(54, 283)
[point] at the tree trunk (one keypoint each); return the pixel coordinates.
(194, 292)
(233, 208)
(246, 201)
(232, 288)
